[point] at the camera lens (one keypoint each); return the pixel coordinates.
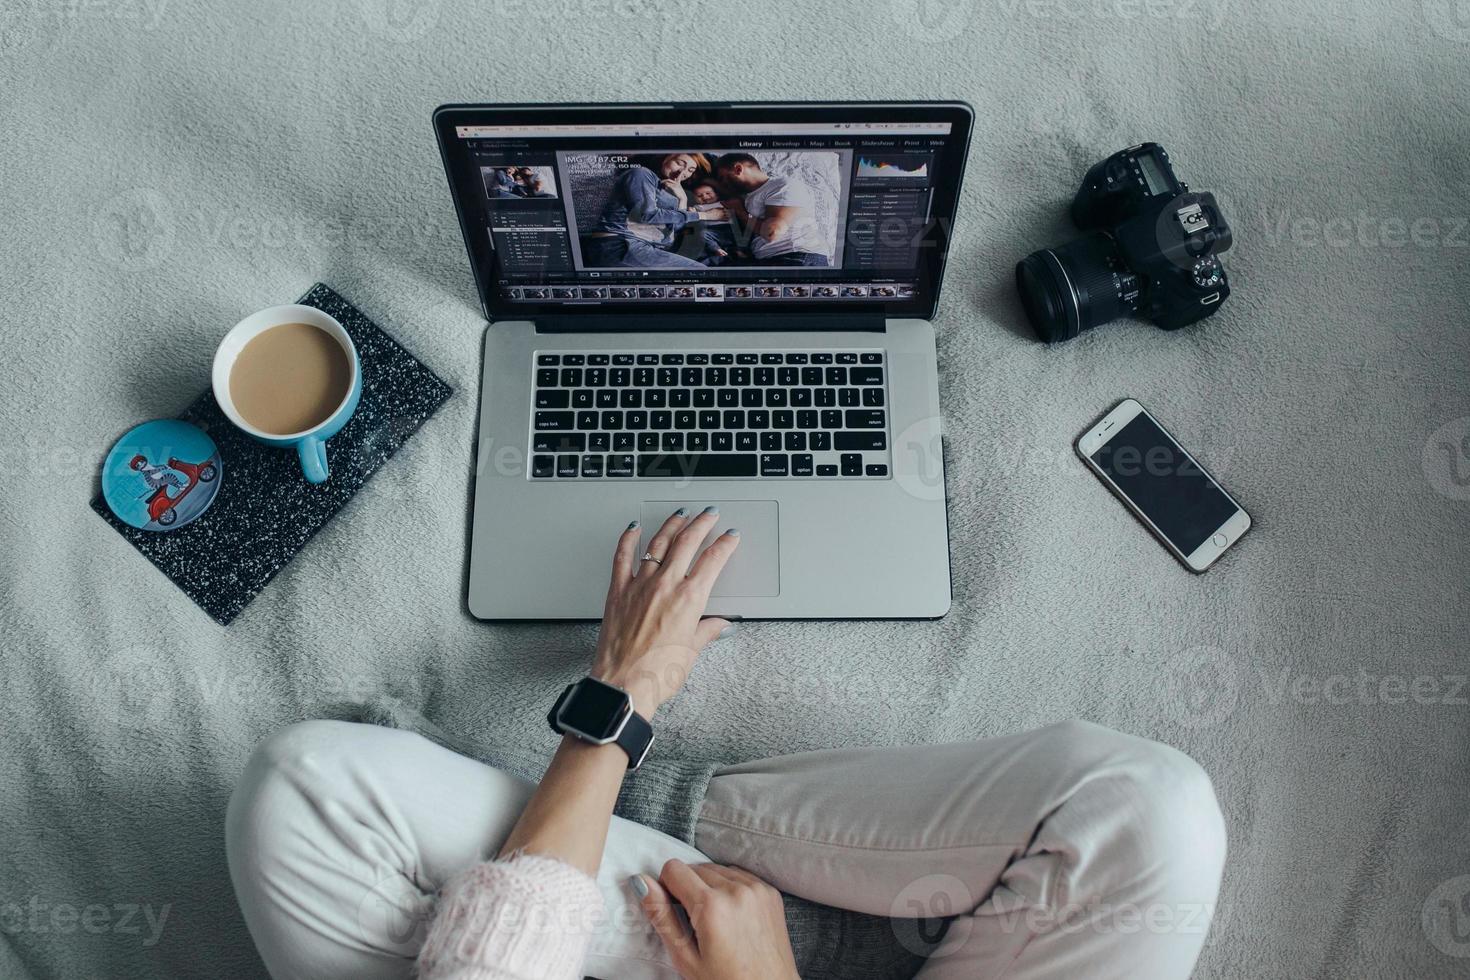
(1075, 287)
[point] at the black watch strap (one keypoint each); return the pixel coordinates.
(636, 739)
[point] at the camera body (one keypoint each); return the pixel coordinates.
(1151, 250)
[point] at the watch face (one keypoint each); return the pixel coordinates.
(594, 709)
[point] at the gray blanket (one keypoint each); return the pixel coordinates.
(171, 167)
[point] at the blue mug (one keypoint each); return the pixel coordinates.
(310, 444)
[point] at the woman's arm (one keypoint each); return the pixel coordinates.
(651, 633)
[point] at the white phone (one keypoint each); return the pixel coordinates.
(1163, 485)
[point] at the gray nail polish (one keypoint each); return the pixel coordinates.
(712, 509)
(682, 512)
(632, 524)
(727, 631)
(734, 532)
(639, 886)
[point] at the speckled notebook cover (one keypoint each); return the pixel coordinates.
(265, 511)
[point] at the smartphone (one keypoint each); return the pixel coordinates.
(1163, 485)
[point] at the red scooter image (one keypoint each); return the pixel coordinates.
(162, 508)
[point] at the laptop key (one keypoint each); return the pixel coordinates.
(598, 442)
(542, 466)
(775, 464)
(826, 469)
(847, 397)
(770, 442)
(709, 420)
(546, 378)
(806, 419)
(704, 397)
(722, 358)
(852, 464)
(771, 358)
(567, 466)
(820, 442)
(745, 442)
(757, 419)
(619, 377)
(571, 377)
(591, 465)
(622, 358)
(620, 465)
(859, 441)
(552, 359)
(697, 442)
(545, 421)
(722, 442)
(783, 419)
(696, 465)
(727, 398)
(747, 359)
(697, 359)
(587, 420)
(582, 398)
(624, 441)
(558, 442)
(631, 398)
(661, 420)
(655, 398)
(607, 398)
(795, 442)
(873, 397)
(647, 358)
(672, 359)
(648, 442)
(673, 442)
(847, 358)
(872, 358)
(575, 360)
(877, 469)
(865, 376)
(553, 399)
(801, 464)
(598, 359)
(866, 418)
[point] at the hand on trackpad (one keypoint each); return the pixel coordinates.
(755, 569)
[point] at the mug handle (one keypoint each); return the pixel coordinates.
(313, 453)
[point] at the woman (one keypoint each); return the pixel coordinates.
(1069, 851)
(647, 207)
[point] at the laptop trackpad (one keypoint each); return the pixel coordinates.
(755, 569)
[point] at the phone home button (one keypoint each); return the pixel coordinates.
(1219, 541)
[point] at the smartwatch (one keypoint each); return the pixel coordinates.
(602, 714)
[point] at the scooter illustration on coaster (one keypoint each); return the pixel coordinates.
(162, 506)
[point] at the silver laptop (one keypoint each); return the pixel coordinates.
(696, 304)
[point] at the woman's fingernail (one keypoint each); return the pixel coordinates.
(727, 631)
(682, 512)
(711, 509)
(639, 886)
(734, 532)
(632, 524)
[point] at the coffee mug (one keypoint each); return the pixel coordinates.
(310, 443)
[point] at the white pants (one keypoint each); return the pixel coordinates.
(1069, 851)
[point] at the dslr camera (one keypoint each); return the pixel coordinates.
(1151, 250)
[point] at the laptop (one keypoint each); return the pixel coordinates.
(710, 304)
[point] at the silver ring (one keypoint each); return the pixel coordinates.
(648, 556)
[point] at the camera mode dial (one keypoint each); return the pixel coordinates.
(1208, 272)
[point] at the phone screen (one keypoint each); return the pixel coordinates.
(1165, 483)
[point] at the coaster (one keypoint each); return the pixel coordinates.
(266, 512)
(161, 475)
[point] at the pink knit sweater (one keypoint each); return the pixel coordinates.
(525, 918)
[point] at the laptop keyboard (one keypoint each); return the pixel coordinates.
(710, 415)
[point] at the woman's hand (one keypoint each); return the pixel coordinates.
(651, 626)
(677, 189)
(739, 924)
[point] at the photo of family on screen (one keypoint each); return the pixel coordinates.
(511, 183)
(696, 210)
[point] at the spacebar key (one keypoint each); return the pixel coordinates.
(690, 466)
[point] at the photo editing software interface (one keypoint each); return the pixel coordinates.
(673, 213)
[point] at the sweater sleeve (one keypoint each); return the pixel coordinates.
(525, 917)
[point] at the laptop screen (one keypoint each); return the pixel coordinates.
(698, 208)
